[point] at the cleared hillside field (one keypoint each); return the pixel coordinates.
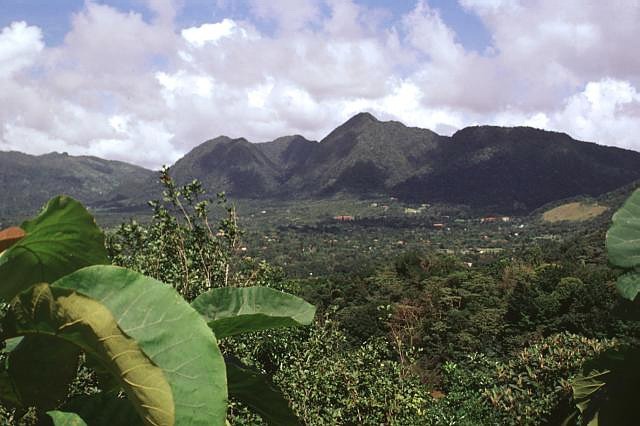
(573, 212)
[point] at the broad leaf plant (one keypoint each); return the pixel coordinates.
(158, 355)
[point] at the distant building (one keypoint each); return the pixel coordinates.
(343, 218)
(489, 219)
(438, 225)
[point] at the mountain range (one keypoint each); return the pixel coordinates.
(499, 169)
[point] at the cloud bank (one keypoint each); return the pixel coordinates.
(146, 91)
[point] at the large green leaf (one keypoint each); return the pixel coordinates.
(258, 393)
(62, 239)
(623, 238)
(230, 311)
(85, 322)
(171, 333)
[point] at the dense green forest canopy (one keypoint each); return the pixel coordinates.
(438, 329)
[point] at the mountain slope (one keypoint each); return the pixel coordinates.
(367, 156)
(520, 169)
(233, 165)
(28, 181)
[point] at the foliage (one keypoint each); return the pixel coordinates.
(506, 312)
(528, 388)
(63, 238)
(162, 354)
(180, 246)
(425, 338)
(461, 401)
(327, 383)
(606, 390)
(524, 389)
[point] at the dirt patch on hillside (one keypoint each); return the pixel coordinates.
(573, 212)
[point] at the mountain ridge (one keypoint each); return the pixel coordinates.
(490, 168)
(506, 169)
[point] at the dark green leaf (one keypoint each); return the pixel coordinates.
(104, 410)
(586, 386)
(42, 368)
(258, 393)
(605, 392)
(8, 392)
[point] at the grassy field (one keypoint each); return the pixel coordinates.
(573, 212)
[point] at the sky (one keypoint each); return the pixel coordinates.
(145, 81)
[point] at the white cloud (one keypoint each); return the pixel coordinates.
(20, 45)
(151, 91)
(182, 83)
(606, 111)
(257, 96)
(210, 33)
(150, 138)
(405, 103)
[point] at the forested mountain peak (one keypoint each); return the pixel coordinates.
(491, 168)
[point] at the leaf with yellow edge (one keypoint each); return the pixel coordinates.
(91, 326)
(174, 336)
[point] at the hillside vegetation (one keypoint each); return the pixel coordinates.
(28, 181)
